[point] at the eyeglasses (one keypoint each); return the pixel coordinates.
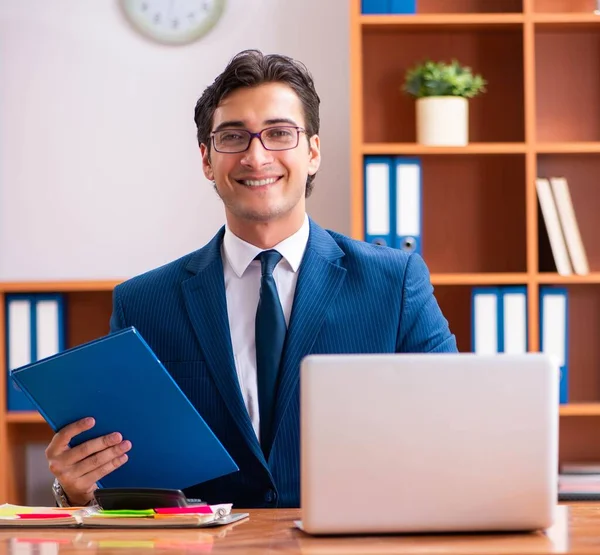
(232, 141)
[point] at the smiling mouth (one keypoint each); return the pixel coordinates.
(258, 182)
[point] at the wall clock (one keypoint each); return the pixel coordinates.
(173, 21)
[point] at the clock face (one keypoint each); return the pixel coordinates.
(173, 21)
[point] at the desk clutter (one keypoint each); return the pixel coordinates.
(579, 482)
(193, 516)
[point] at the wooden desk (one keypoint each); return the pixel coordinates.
(273, 531)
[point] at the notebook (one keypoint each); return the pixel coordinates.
(421, 443)
(119, 381)
(205, 516)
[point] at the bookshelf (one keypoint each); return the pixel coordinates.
(88, 307)
(539, 116)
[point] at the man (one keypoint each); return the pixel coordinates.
(237, 359)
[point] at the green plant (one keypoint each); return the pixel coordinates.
(441, 79)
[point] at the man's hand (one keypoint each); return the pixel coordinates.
(79, 468)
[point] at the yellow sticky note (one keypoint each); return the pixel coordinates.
(12, 510)
(126, 543)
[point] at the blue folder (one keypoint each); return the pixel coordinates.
(119, 381)
(388, 6)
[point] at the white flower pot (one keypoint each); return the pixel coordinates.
(443, 121)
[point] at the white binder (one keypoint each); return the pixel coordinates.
(514, 319)
(378, 187)
(554, 331)
(553, 227)
(570, 228)
(484, 321)
(408, 205)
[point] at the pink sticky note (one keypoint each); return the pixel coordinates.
(198, 509)
(42, 515)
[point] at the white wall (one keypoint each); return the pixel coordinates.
(100, 174)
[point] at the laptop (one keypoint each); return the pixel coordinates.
(423, 443)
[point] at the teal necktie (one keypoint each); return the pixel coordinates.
(270, 336)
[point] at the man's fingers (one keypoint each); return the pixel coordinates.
(105, 469)
(90, 448)
(96, 460)
(60, 441)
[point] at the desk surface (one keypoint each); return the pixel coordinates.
(273, 531)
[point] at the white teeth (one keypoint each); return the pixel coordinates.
(260, 182)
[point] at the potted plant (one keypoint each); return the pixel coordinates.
(442, 91)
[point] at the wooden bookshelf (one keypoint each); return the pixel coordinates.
(580, 409)
(568, 148)
(539, 116)
(420, 150)
(57, 286)
(24, 417)
(437, 21)
(88, 306)
(550, 278)
(505, 278)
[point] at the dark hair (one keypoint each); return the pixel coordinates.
(251, 68)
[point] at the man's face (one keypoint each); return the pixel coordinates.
(261, 185)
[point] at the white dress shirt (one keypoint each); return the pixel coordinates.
(242, 286)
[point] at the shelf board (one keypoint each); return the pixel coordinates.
(417, 149)
(24, 417)
(56, 286)
(551, 278)
(435, 21)
(580, 409)
(558, 21)
(569, 409)
(479, 279)
(568, 148)
(511, 278)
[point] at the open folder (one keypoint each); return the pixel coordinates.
(199, 516)
(119, 381)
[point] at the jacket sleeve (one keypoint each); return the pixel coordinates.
(423, 328)
(117, 319)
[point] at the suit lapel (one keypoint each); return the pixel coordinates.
(206, 303)
(319, 281)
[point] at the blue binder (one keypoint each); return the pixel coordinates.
(375, 6)
(492, 329)
(119, 381)
(407, 215)
(554, 331)
(389, 6)
(403, 6)
(378, 190)
(28, 338)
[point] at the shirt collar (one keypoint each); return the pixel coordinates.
(240, 254)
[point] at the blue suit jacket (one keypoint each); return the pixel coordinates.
(351, 297)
